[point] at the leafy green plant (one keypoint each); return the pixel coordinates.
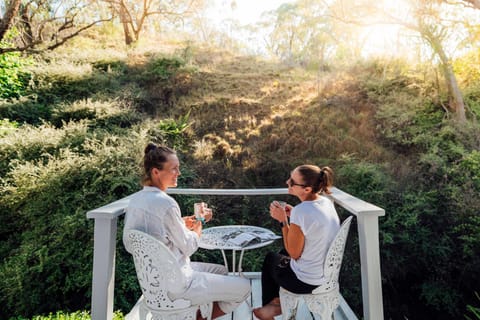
(172, 131)
(165, 68)
(474, 310)
(13, 79)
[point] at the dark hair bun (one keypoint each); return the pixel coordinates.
(151, 146)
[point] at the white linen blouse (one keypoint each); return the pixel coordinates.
(154, 212)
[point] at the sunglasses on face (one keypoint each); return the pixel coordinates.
(291, 183)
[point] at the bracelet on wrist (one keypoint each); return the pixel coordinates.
(202, 219)
(282, 224)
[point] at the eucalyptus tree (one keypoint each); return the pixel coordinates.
(443, 27)
(134, 15)
(300, 32)
(35, 25)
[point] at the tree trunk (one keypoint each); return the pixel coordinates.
(456, 97)
(456, 102)
(10, 13)
(125, 23)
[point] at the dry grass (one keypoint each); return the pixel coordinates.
(248, 113)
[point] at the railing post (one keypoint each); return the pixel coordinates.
(370, 265)
(105, 232)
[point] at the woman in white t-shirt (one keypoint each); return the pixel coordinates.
(312, 227)
(153, 211)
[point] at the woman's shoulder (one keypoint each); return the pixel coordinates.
(157, 196)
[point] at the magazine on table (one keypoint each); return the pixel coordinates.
(246, 238)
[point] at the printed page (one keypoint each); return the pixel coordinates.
(244, 239)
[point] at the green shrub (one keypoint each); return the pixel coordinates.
(26, 110)
(7, 126)
(13, 78)
(38, 144)
(164, 68)
(48, 240)
(171, 132)
(107, 115)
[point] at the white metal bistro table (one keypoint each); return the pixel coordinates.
(228, 237)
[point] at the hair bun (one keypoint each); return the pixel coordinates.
(151, 146)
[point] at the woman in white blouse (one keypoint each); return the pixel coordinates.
(153, 211)
(312, 227)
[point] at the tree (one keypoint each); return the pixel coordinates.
(45, 24)
(134, 14)
(301, 32)
(436, 25)
(436, 30)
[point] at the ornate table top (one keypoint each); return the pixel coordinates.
(220, 237)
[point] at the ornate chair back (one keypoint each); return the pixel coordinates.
(157, 271)
(333, 260)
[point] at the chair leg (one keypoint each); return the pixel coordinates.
(289, 305)
(322, 307)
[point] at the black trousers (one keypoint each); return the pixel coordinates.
(276, 273)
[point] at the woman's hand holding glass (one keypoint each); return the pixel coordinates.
(207, 214)
(280, 210)
(202, 212)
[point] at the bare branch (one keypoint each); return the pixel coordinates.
(70, 36)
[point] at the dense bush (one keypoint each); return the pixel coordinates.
(436, 197)
(50, 195)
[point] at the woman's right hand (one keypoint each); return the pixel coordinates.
(193, 224)
(277, 212)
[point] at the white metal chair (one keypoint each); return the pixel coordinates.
(323, 301)
(158, 271)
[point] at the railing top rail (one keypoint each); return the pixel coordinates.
(352, 204)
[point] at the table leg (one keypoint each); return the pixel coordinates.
(224, 259)
(240, 263)
(235, 268)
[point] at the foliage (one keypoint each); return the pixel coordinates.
(164, 68)
(474, 310)
(78, 315)
(13, 77)
(172, 131)
(50, 198)
(7, 126)
(47, 24)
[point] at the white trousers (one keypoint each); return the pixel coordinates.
(210, 282)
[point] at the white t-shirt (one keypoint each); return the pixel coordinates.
(156, 213)
(319, 223)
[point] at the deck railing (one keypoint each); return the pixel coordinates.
(105, 231)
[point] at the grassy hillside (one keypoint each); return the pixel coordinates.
(74, 130)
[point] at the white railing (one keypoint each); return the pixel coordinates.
(105, 231)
